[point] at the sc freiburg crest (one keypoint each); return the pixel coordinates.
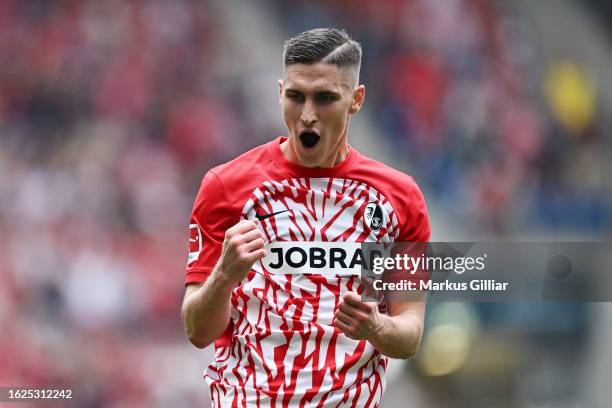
(373, 216)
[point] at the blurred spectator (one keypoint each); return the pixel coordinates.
(108, 120)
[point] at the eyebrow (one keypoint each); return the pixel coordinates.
(322, 92)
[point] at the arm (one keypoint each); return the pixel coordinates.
(206, 307)
(396, 335)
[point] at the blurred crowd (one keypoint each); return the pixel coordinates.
(501, 138)
(111, 111)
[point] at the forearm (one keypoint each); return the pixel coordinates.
(206, 312)
(398, 336)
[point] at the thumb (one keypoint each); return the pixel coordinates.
(354, 299)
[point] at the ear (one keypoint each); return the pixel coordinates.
(358, 98)
(280, 91)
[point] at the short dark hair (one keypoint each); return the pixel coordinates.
(328, 45)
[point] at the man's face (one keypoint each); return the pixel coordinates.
(317, 100)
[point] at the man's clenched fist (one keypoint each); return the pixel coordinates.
(358, 320)
(244, 244)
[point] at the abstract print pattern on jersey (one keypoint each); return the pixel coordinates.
(284, 349)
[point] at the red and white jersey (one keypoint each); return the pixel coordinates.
(280, 348)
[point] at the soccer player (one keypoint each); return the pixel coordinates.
(267, 279)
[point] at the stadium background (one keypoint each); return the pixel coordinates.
(110, 113)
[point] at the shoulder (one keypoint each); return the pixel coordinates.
(403, 193)
(229, 185)
(225, 188)
(388, 180)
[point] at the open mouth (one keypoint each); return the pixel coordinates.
(309, 138)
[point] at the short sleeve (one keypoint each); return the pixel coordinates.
(414, 217)
(209, 220)
(416, 231)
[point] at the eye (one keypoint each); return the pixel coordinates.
(326, 98)
(295, 97)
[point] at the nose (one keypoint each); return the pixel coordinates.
(309, 114)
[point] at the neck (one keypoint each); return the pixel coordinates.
(341, 154)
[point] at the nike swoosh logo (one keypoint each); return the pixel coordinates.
(266, 216)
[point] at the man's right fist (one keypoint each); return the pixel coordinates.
(244, 244)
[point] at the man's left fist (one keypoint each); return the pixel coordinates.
(358, 320)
